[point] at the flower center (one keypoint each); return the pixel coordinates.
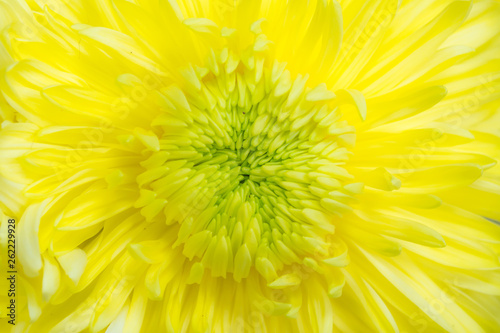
(250, 165)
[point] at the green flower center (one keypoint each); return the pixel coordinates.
(250, 166)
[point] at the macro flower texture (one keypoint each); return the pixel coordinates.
(240, 166)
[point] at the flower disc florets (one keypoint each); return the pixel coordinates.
(250, 164)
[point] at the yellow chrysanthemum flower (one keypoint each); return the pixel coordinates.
(250, 165)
